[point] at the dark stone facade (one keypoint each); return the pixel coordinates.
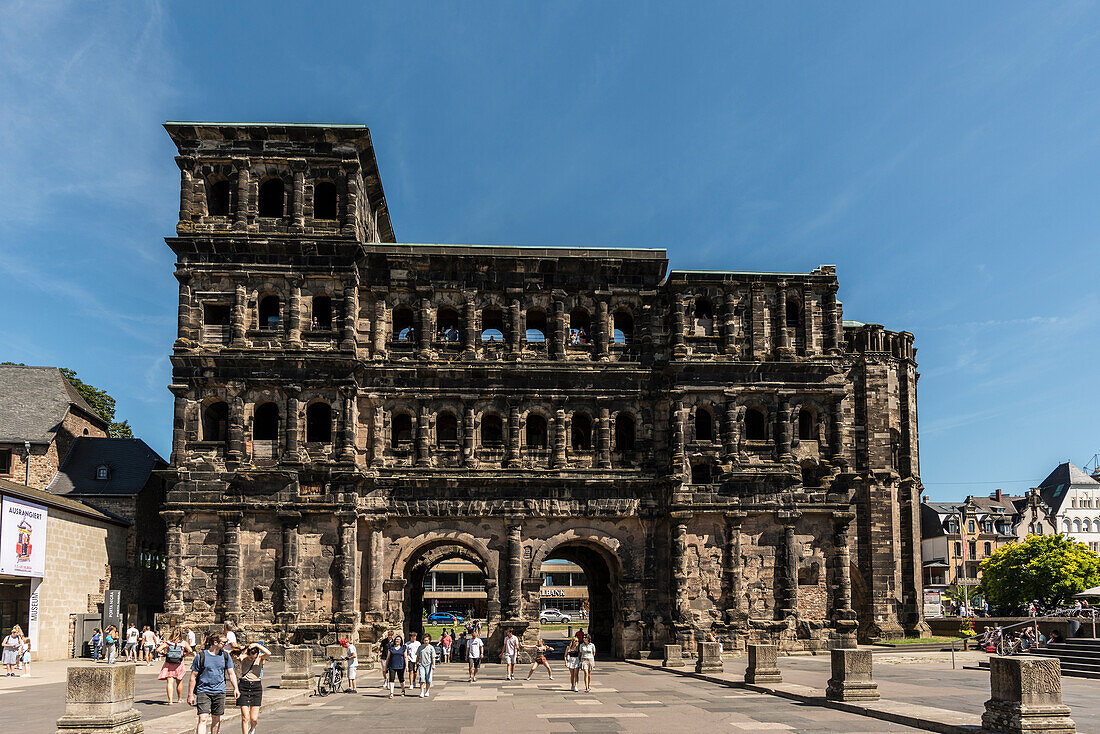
(718, 450)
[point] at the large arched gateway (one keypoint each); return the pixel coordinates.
(710, 451)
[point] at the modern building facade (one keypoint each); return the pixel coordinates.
(715, 450)
(1074, 501)
(458, 586)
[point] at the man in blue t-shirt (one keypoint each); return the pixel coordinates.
(209, 671)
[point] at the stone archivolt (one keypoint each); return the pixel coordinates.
(718, 450)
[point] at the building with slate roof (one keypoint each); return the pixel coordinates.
(1074, 499)
(41, 414)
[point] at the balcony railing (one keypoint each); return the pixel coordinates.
(454, 587)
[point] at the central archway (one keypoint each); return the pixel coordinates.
(479, 595)
(602, 573)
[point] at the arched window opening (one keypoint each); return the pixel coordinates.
(401, 430)
(988, 548)
(322, 313)
(271, 198)
(704, 317)
(806, 425)
(403, 329)
(1076, 526)
(446, 429)
(755, 425)
(701, 473)
(810, 475)
(215, 422)
(265, 423)
(580, 326)
(624, 432)
(624, 327)
(580, 435)
(215, 314)
(269, 313)
(492, 325)
(536, 325)
(704, 425)
(794, 313)
(448, 326)
(492, 431)
(318, 423)
(218, 197)
(1067, 526)
(536, 431)
(324, 200)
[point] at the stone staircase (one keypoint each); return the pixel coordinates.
(1080, 657)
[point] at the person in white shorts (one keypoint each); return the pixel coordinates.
(510, 654)
(413, 647)
(425, 664)
(353, 663)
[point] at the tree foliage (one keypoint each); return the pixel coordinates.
(1045, 568)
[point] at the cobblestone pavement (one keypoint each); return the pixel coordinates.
(623, 698)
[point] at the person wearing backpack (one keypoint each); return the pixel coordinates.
(173, 650)
(209, 671)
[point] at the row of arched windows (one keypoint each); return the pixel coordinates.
(535, 431)
(755, 425)
(450, 328)
(702, 315)
(1078, 525)
(272, 199)
(265, 422)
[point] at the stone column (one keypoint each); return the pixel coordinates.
(679, 326)
(345, 599)
(347, 435)
(756, 306)
(297, 668)
(832, 337)
(733, 569)
(240, 315)
(677, 430)
(244, 188)
(787, 560)
(513, 436)
(809, 323)
(231, 568)
(783, 340)
(558, 346)
(179, 424)
(681, 603)
(840, 433)
(471, 333)
(515, 338)
(173, 570)
(844, 617)
(763, 665)
(783, 428)
(375, 566)
(422, 429)
(1026, 696)
(468, 433)
(187, 188)
(98, 698)
(236, 428)
(185, 321)
(424, 333)
(603, 330)
(298, 195)
(729, 324)
(288, 568)
(733, 428)
(515, 568)
(851, 679)
(294, 313)
(559, 438)
(378, 428)
(351, 317)
(293, 435)
(604, 439)
(381, 326)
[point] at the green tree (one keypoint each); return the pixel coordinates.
(1046, 568)
(101, 403)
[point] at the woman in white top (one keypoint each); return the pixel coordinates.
(12, 650)
(588, 661)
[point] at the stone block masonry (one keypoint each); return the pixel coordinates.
(718, 451)
(1026, 696)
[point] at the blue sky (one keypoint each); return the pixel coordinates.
(945, 156)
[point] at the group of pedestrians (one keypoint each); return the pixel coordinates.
(145, 645)
(15, 654)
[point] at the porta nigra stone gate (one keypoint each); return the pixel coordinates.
(717, 450)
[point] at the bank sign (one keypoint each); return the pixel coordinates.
(22, 538)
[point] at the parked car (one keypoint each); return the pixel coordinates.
(553, 616)
(446, 618)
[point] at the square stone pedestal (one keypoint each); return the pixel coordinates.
(1026, 696)
(763, 665)
(709, 660)
(674, 656)
(851, 680)
(298, 672)
(99, 699)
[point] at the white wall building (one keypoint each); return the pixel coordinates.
(1074, 500)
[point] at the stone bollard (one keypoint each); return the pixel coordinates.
(674, 656)
(763, 665)
(851, 679)
(709, 660)
(99, 699)
(1026, 696)
(298, 672)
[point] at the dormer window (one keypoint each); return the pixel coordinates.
(102, 472)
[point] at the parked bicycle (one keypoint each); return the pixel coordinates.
(332, 679)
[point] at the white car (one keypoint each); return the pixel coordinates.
(553, 616)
